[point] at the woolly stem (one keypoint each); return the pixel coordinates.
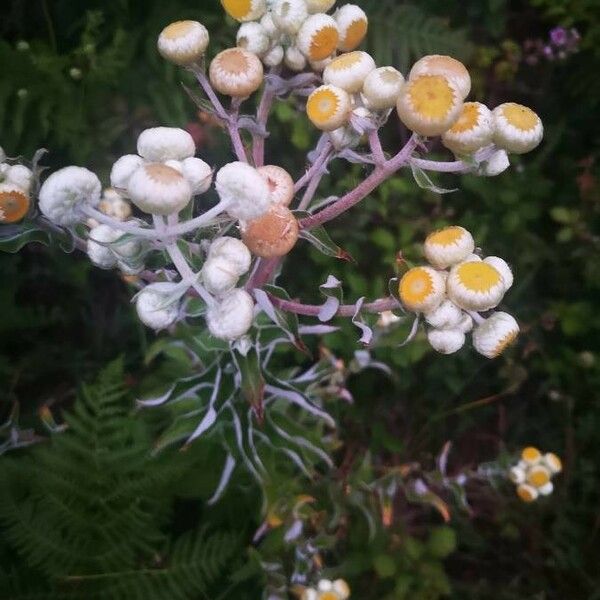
(345, 310)
(262, 116)
(315, 168)
(376, 149)
(376, 178)
(455, 166)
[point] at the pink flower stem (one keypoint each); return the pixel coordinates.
(455, 166)
(234, 132)
(376, 149)
(376, 178)
(262, 117)
(317, 166)
(312, 187)
(263, 272)
(345, 310)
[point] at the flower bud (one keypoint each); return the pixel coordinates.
(248, 10)
(232, 316)
(183, 42)
(234, 251)
(114, 205)
(274, 56)
(531, 455)
(446, 341)
(197, 173)
(236, 72)
(252, 36)
(159, 190)
(155, 306)
(245, 189)
(475, 286)
(159, 144)
(14, 203)
(448, 246)
(527, 492)
(517, 474)
(552, 462)
(328, 107)
(517, 129)
(280, 182)
(319, 6)
(294, 59)
(273, 234)
(496, 164)
(219, 275)
(318, 37)
(502, 267)
(538, 476)
(349, 71)
(123, 169)
(448, 67)
(98, 248)
(21, 176)
(446, 316)
(495, 334)
(421, 289)
(352, 24)
(65, 191)
(289, 15)
(382, 88)
(473, 129)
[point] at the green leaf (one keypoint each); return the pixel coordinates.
(423, 181)
(320, 239)
(253, 382)
(15, 237)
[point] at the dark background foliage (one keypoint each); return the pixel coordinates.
(62, 321)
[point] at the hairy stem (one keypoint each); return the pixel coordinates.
(455, 166)
(345, 310)
(376, 178)
(262, 116)
(376, 149)
(315, 168)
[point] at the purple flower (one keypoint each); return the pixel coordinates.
(558, 36)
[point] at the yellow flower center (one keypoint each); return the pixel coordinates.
(328, 596)
(448, 64)
(446, 236)
(538, 477)
(14, 205)
(506, 341)
(238, 9)
(355, 34)
(530, 454)
(525, 493)
(178, 29)
(478, 276)
(520, 116)
(323, 43)
(415, 286)
(345, 61)
(162, 173)
(431, 96)
(468, 119)
(322, 105)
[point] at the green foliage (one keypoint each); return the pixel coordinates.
(87, 510)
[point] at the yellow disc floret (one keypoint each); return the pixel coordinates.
(473, 129)
(421, 289)
(328, 107)
(475, 286)
(14, 203)
(448, 246)
(531, 455)
(244, 10)
(527, 493)
(517, 128)
(318, 37)
(538, 476)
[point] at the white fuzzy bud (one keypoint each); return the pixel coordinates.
(252, 36)
(198, 174)
(232, 317)
(446, 316)
(245, 189)
(294, 59)
(446, 341)
(114, 205)
(66, 191)
(232, 250)
(289, 15)
(219, 275)
(517, 474)
(20, 176)
(496, 164)
(159, 144)
(496, 333)
(502, 267)
(98, 248)
(274, 56)
(123, 169)
(269, 26)
(156, 307)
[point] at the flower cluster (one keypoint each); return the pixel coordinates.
(327, 590)
(533, 473)
(560, 44)
(451, 291)
(15, 190)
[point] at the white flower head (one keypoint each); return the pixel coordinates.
(538, 475)
(269, 26)
(245, 189)
(309, 594)
(98, 247)
(66, 191)
(232, 316)
(318, 66)
(319, 6)
(466, 323)
(531, 456)
(553, 462)
(198, 174)
(232, 250)
(325, 585)
(236, 72)
(157, 306)
(183, 42)
(14, 203)
(274, 56)
(496, 164)
(353, 24)
(475, 286)
(502, 267)
(448, 246)
(429, 104)
(252, 36)
(246, 10)
(446, 341)
(436, 64)
(527, 492)
(318, 37)
(280, 182)
(546, 490)
(473, 130)
(349, 71)
(21, 176)
(342, 589)
(294, 59)
(219, 275)
(446, 316)
(495, 334)
(123, 169)
(382, 88)
(329, 107)
(517, 129)
(516, 474)
(289, 15)
(159, 190)
(422, 289)
(159, 144)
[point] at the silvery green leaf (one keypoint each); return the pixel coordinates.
(423, 181)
